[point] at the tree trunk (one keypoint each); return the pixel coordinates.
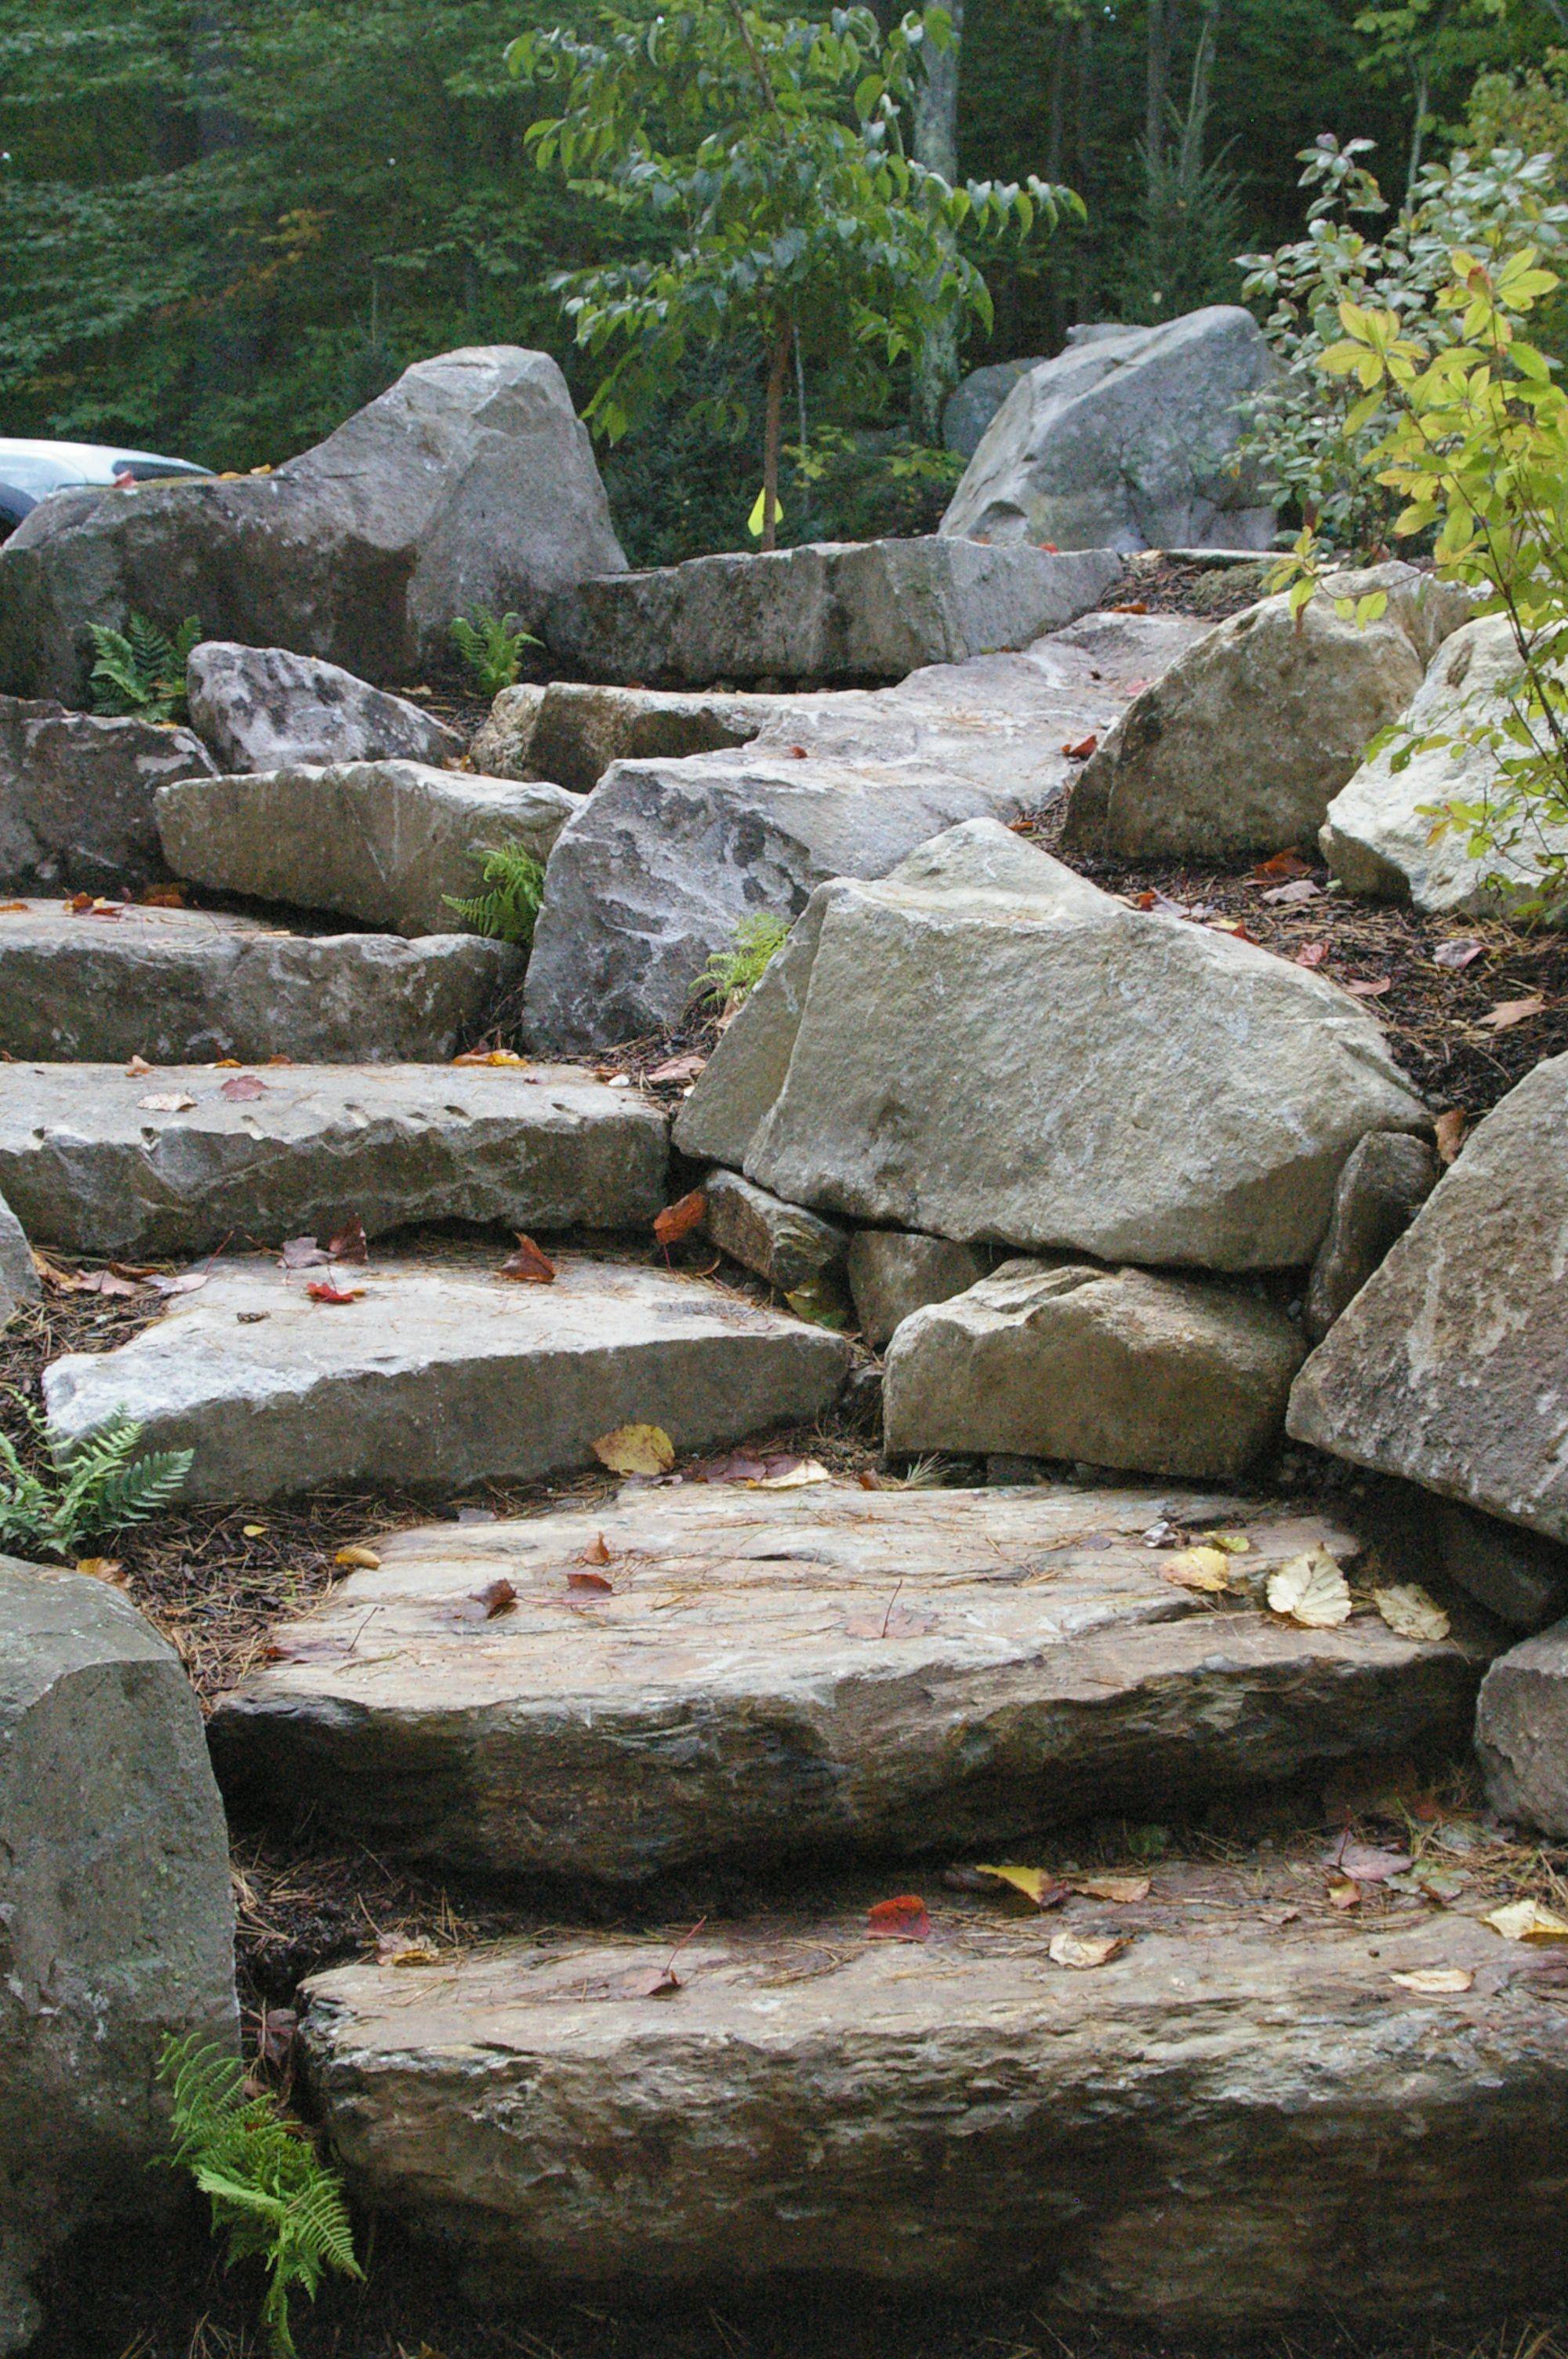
(1083, 304)
(936, 146)
(1418, 134)
(1159, 71)
(773, 435)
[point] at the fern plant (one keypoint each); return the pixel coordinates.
(491, 647)
(141, 669)
(508, 910)
(731, 975)
(98, 1488)
(268, 2187)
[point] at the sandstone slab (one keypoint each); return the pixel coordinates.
(77, 795)
(441, 1375)
(744, 1690)
(1083, 1076)
(573, 731)
(1522, 1733)
(788, 1247)
(177, 987)
(264, 709)
(97, 1160)
(393, 844)
(1384, 1182)
(893, 1274)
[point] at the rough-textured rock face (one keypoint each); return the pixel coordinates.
(19, 1280)
(469, 482)
(116, 1920)
(393, 844)
(1060, 1032)
(1522, 1733)
(1244, 743)
(441, 1375)
(1162, 1376)
(1448, 1366)
(1383, 1186)
(746, 1692)
(892, 1273)
(1377, 834)
(573, 731)
(1127, 441)
(184, 986)
(76, 796)
(788, 1247)
(264, 709)
(832, 611)
(92, 1161)
(1517, 1576)
(1234, 2121)
(665, 859)
(975, 402)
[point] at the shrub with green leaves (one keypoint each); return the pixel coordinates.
(509, 911)
(268, 2187)
(98, 1487)
(492, 649)
(730, 975)
(140, 670)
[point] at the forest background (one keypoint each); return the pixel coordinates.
(224, 225)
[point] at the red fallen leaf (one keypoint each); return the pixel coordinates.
(349, 1243)
(164, 896)
(665, 1984)
(1048, 546)
(79, 904)
(302, 1253)
(797, 753)
(1450, 1129)
(1457, 955)
(528, 1266)
(1234, 927)
(1144, 900)
(677, 1069)
(321, 1289)
(597, 1552)
(904, 1920)
(241, 1087)
(679, 1219)
(1139, 607)
(597, 1584)
(1374, 990)
(1082, 750)
(1282, 865)
(1311, 955)
(484, 1604)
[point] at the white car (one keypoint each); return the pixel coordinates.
(30, 471)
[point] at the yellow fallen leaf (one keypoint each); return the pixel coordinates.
(1084, 1950)
(1435, 1982)
(1346, 1893)
(1527, 1920)
(798, 1478)
(1034, 1883)
(1409, 1613)
(1233, 1543)
(636, 1449)
(252, 1531)
(1207, 1569)
(103, 1568)
(1122, 1889)
(366, 1560)
(489, 1057)
(1311, 1591)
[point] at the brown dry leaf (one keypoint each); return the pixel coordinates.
(1204, 1569)
(164, 896)
(166, 1101)
(489, 1057)
(798, 1475)
(598, 1551)
(1436, 1982)
(591, 1584)
(1282, 863)
(1312, 955)
(241, 1088)
(1513, 1011)
(1294, 895)
(529, 1266)
(1081, 751)
(1123, 1889)
(1457, 955)
(667, 1982)
(106, 1281)
(1085, 1949)
(12, 908)
(677, 1069)
(1409, 1613)
(1528, 1920)
(351, 1243)
(138, 1067)
(905, 1918)
(483, 1604)
(303, 1252)
(188, 1282)
(321, 1289)
(103, 1568)
(1373, 990)
(1037, 1884)
(680, 1220)
(1449, 1132)
(636, 1449)
(1312, 1592)
(1366, 1862)
(360, 1558)
(1346, 1893)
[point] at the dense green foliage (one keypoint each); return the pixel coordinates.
(141, 669)
(489, 648)
(93, 1491)
(510, 907)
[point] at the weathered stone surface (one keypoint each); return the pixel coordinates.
(443, 1376)
(1522, 1579)
(19, 1280)
(1129, 441)
(573, 731)
(177, 987)
(1384, 1182)
(657, 870)
(1162, 1376)
(391, 843)
(973, 404)
(264, 709)
(738, 1696)
(469, 482)
(76, 796)
(788, 1247)
(1447, 1367)
(1234, 2121)
(1522, 1733)
(829, 611)
(116, 1920)
(1244, 743)
(1082, 1076)
(90, 1166)
(892, 1273)
(1377, 834)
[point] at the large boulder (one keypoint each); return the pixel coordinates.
(1447, 1367)
(831, 611)
(986, 1047)
(19, 1280)
(1240, 747)
(468, 483)
(1128, 440)
(264, 709)
(116, 1926)
(976, 399)
(1522, 1733)
(76, 796)
(573, 731)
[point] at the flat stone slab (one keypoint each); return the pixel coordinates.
(441, 1374)
(94, 1159)
(1238, 2120)
(179, 985)
(826, 1669)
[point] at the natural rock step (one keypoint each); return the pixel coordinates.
(94, 1159)
(1239, 2118)
(178, 985)
(790, 1672)
(441, 1375)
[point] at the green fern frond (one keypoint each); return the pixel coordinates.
(730, 975)
(88, 1492)
(141, 669)
(509, 911)
(491, 647)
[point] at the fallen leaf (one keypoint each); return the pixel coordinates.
(1312, 955)
(597, 1552)
(1311, 1591)
(321, 1289)
(164, 896)
(1037, 1884)
(1527, 1920)
(489, 1057)
(167, 1101)
(188, 1282)
(1374, 990)
(1083, 749)
(1290, 896)
(904, 1920)
(138, 1067)
(1436, 1982)
(12, 908)
(241, 1087)
(739, 1467)
(1513, 1011)
(598, 1584)
(397, 1949)
(677, 1069)
(1204, 1569)
(103, 1568)
(636, 1449)
(484, 1604)
(1449, 1131)
(104, 1281)
(252, 1531)
(797, 1477)
(1409, 1613)
(1232, 1543)
(351, 1243)
(1457, 955)
(1139, 607)
(1282, 863)
(1344, 1895)
(667, 1982)
(302, 1253)
(528, 1266)
(1366, 1862)
(1123, 1889)
(1083, 1950)
(677, 1220)
(363, 1560)
(1234, 927)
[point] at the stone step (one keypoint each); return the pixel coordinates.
(1241, 2118)
(178, 985)
(94, 1159)
(441, 1374)
(827, 1669)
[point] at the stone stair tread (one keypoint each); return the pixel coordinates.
(1238, 2118)
(175, 985)
(441, 1375)
(89, 1164)
(781, 1671)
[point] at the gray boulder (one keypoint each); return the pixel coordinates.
(264, 709)
(831, 611)
(1129, 441)
(975, 402)
(984, 1047)
(788, 1247)
(76, 796)
(572, 732)
(116, 1926)
(393, 844)
(1520, 1579)
(892, 1273)
(19, 1280)
(469, 482)
(1522, 1733)
(1383, 1186)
